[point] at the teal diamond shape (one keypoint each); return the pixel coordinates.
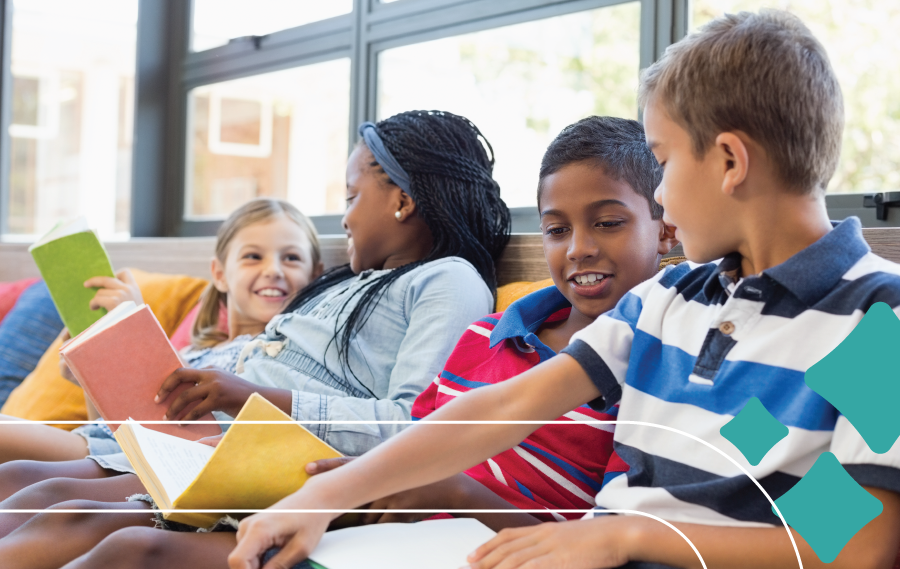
(862, 381)
(754, 431)
(827, 507)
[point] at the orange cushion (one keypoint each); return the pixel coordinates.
(509, 293)
(46, 396)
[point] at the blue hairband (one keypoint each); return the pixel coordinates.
(383, 156)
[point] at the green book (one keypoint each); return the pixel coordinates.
(67, 256)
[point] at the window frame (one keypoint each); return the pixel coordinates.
(361, 35)
(166, 70)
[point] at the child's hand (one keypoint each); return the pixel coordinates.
(63, 368)
(211, 441)
(216, 390)
(114, 291)
(296, 534)
(583, 544)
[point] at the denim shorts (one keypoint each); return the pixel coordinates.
(101, 444)
(100, 439)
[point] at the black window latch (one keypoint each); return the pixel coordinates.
(881, 202)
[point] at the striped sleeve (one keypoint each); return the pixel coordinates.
(863, 465)
(602, 349)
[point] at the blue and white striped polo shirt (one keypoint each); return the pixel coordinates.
(690, 347)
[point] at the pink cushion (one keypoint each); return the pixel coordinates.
(182, 336)
(9, 294)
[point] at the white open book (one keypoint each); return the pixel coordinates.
(433, 544)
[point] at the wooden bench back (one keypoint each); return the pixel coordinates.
(523, 259)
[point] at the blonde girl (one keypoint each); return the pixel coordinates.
(266, 252)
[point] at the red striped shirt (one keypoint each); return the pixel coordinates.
(557, 466)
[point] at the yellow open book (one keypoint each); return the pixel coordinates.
(253, 466)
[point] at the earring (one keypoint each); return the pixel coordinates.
(398, 215)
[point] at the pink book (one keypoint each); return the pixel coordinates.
(121, 362)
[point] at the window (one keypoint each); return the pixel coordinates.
(521, 84)
(863, 44)
(275, 113)
(71, 114)
(281, 134)
(215, 22)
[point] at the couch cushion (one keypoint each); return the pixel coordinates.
(26, 332)
(46, 396)
(182, 336)
(9, 294)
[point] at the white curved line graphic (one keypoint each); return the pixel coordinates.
(590, 422)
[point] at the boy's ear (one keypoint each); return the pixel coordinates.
(735, 160)
(667, 240)
(218, 275)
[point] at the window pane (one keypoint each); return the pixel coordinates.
(521, 84)
(281, 134)
(863, 44)
(217, 21)
(72, 113)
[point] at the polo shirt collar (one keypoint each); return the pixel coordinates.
(526, 315)
(811, 273)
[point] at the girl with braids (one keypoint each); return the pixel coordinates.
(426, 225)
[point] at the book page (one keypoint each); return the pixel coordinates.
(61, 229)
(114, 316)
(432, 544)
(176, 462)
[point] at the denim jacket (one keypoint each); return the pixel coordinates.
(399, 350)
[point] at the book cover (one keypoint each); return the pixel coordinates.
(253, 466)
(121, 362)
(66, 257)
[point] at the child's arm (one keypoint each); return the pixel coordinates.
(611, 541)
(217, 390)
(459, 492)
(114, 291)
(423, 454)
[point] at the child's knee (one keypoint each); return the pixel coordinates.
(131, 548)
(71, 520)
(19, 474)
(46, 493)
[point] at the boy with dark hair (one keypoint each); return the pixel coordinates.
(745, 118)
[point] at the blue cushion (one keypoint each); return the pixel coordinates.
(25, 334)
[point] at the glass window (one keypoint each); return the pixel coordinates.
(72, 114)
(863, 44)
(281, 134)
(215, 22)
(521, 84)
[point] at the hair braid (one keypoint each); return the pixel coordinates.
(450, 165)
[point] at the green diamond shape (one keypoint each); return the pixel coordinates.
(862, 381)
(754, 431)
(827, 507)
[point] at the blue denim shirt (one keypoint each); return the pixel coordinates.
(395, 355)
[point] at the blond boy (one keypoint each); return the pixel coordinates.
(746, 118)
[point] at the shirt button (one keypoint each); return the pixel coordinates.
(726, 328)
